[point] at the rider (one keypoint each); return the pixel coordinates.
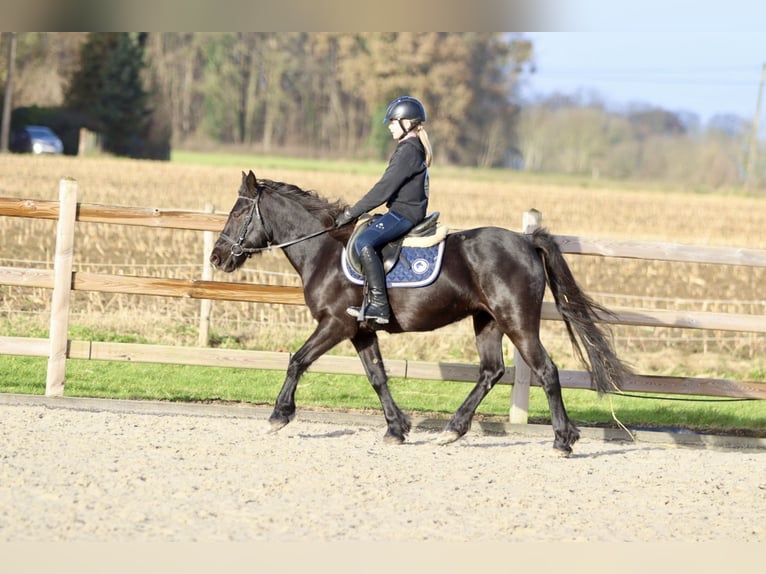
(404, 189)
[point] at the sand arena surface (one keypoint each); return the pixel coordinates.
(188, 473)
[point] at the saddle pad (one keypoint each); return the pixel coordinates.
(416, 267)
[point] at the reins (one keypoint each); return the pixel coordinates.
(237, 248)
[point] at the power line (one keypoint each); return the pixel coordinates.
(646, 77)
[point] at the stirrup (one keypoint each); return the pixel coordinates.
(354, 311)
(376, 314)
(357, 312)
(379, 319)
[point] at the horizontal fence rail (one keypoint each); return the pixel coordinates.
(58, 347)
(95, 213)
(404, 369)
(656, 251)
(254, 293)
(163, 287)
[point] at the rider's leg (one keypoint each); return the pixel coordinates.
(386, 228)
(378, 309)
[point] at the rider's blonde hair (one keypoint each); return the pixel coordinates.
(423, 137)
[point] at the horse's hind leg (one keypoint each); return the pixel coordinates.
(547, 375)
(489, 343)
(366, 345)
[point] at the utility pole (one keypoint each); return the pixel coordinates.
(752, 155)
(5, 126)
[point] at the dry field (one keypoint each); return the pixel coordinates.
(589, 210)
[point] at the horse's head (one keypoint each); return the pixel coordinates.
(243, 233)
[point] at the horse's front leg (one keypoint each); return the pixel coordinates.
(366, 345)
(327, 334)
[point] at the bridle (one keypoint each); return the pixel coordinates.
(237, 247)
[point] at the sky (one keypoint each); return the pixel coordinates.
(680, 55)
(707, 73)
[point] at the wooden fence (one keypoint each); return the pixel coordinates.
(62, 280)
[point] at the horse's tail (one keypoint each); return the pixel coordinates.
(580, 315)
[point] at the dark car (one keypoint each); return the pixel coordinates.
(35, 139)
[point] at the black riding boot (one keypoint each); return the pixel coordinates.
(377, 310)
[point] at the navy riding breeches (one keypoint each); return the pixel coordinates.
(386, 228)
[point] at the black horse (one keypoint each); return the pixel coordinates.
(495, 275)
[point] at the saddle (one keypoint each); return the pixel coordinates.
(425, 234)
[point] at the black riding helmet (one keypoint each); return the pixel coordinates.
(406, 108)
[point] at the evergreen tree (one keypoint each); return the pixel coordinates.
(87, 83)
(108, 89)
(122, 104)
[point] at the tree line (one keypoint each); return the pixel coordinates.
(565, 134)
(324, 95)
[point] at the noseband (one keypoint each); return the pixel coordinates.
(238, 248)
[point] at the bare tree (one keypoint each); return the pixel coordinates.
(8, 97)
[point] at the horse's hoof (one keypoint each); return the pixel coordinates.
(275, 425)
(393, 439)
(447, 437)
(564, 452)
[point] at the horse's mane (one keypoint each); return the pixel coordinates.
(319, 207)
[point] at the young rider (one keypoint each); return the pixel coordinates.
(404, 189)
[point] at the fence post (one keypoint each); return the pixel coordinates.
(62, 288)
(519, 413)
(207, 275)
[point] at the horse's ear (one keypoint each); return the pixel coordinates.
(251, 182)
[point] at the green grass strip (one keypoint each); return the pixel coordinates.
(182, 383)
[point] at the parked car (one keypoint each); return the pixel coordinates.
(35, 139)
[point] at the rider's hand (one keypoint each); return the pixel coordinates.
(344, 218)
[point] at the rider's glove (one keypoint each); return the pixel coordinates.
(344, 218)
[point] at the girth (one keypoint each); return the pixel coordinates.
(390, 252)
